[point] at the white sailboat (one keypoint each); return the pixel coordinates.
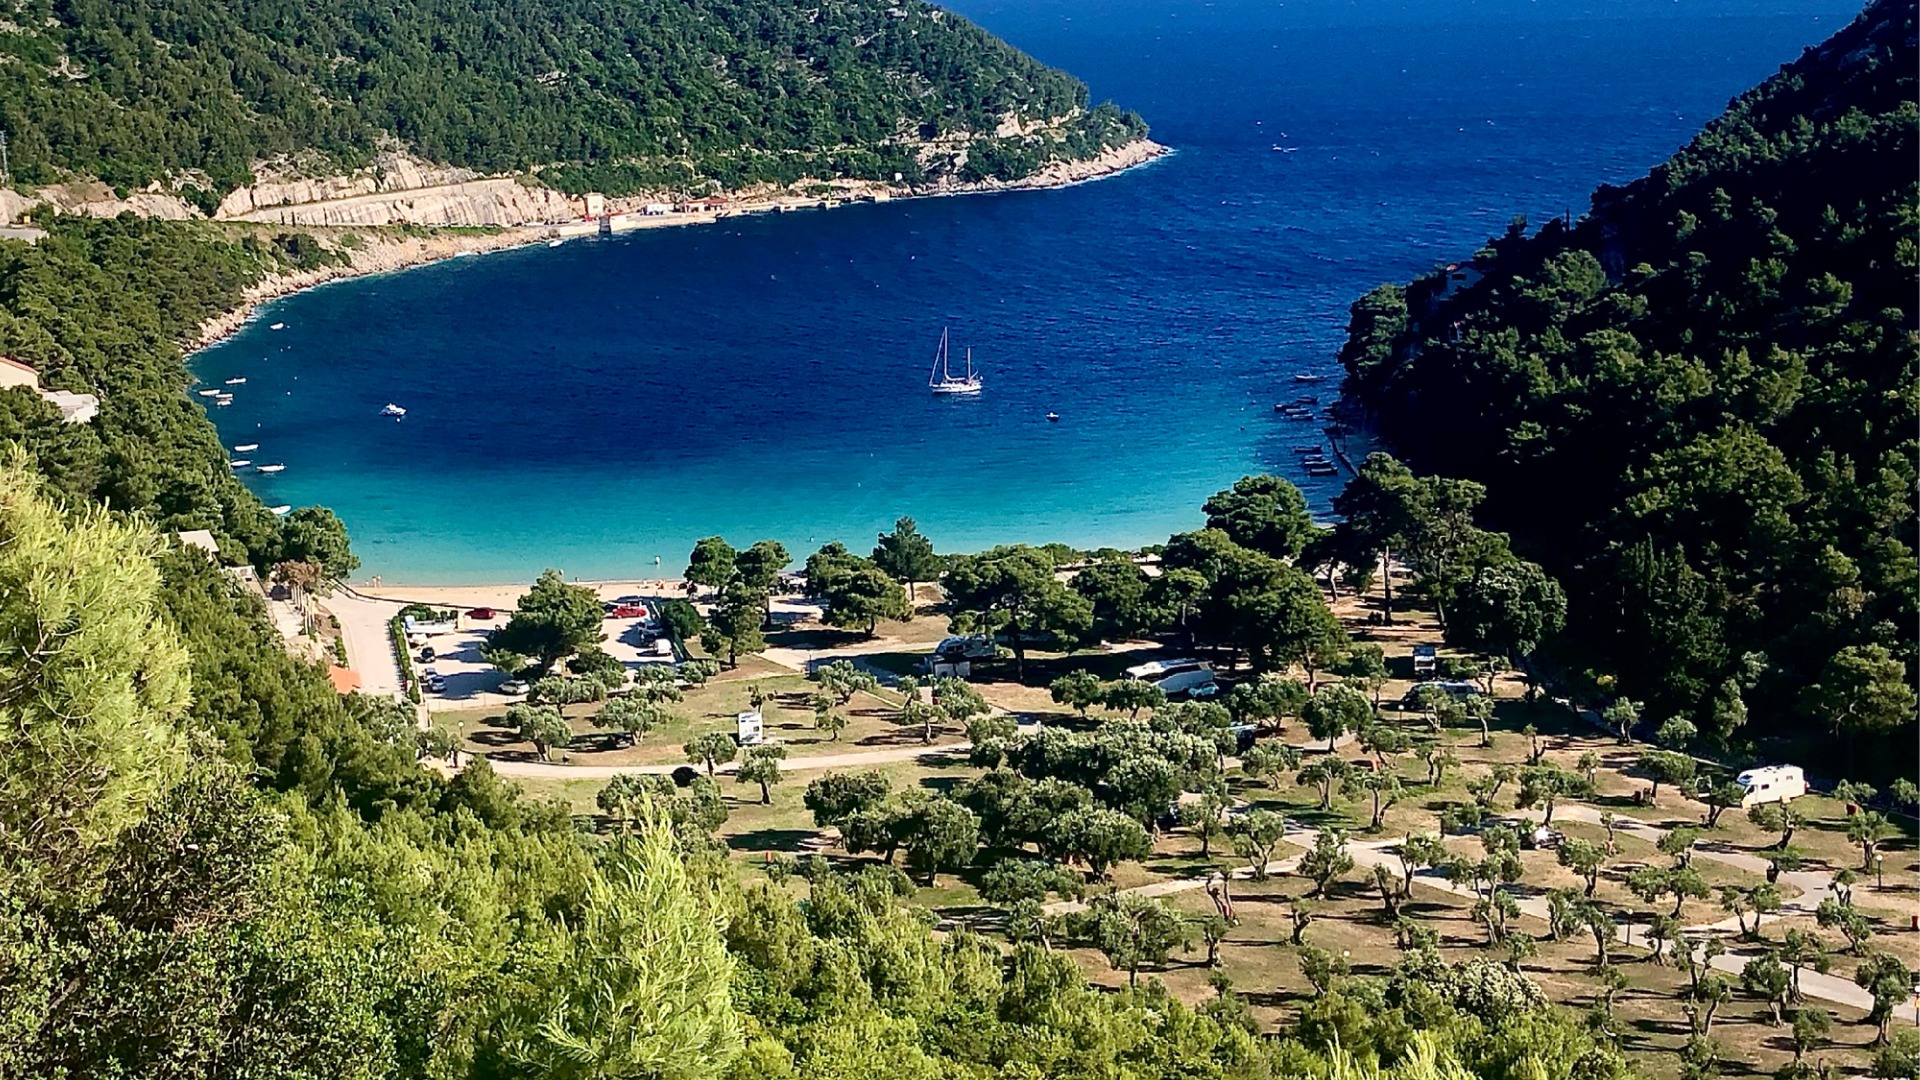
(393, 410)
(942, 381)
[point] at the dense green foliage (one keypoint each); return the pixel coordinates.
(622, 95)
(101, 307)
(1696, 406)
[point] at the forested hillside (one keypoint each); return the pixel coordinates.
(1696, 405)
(623, 93)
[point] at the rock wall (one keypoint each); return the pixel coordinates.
(390, 174)
(476, 202)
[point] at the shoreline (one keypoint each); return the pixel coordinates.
(380, 252)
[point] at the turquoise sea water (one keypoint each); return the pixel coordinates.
(600, 405)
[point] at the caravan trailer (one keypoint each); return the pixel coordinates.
(1774, 783)
(1191, 677)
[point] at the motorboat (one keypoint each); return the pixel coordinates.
(280, 511)
(237, 380)
(223, 401)
(393, 410)
(211, 393)
(269, 468)
(1302, 376)
(246, 446)
(555, 242)
(239, 463)
(1053, 418)
(278, 326)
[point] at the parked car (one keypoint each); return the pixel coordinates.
(628, 611)
(482, 613)
(426, 653)
(513, 688)
(636, 601)
(433, 681)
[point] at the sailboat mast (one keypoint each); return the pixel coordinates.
(939, 361)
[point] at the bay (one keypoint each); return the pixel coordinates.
(601, 405)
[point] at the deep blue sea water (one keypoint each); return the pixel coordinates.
(600, 405)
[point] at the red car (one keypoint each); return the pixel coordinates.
(482, 613)
(628, 611)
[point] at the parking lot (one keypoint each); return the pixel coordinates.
(472, 683)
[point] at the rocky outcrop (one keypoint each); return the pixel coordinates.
(496, 201)
(390, 174)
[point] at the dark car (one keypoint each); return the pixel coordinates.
(426, 653)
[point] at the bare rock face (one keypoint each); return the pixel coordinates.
(284, 186)
(476, 202)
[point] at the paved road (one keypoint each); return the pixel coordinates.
(363, 625)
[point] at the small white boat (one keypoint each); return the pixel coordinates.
(269, 468)
(223, 402)
(246, 446)
(393, 410)
(280, 511)
(211, 393)
(1302, 376)
(278, 326)
(555, 242)
(238, 380)
(1053, 418)
(239, 463)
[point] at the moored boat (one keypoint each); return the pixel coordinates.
(280, 511)
(246, 446)
(393, 410)
(237, 380)
(239, 463)
(210, 393)
(269, 468)
(942, 381)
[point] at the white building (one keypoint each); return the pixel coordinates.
(75, 408)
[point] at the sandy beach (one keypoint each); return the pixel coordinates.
(504, 597)
(380, 250)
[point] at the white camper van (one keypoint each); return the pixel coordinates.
(1191, 677)
(1774, 783)
(747, 729)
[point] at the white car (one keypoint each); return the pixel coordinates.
(513, 688)
(433, 681)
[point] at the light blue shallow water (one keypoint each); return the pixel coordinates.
(599, 405)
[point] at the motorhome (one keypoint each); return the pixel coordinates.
(1426, 661)
(1772, 783)
(966, 647)
(748, 728)
(1185, 676)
